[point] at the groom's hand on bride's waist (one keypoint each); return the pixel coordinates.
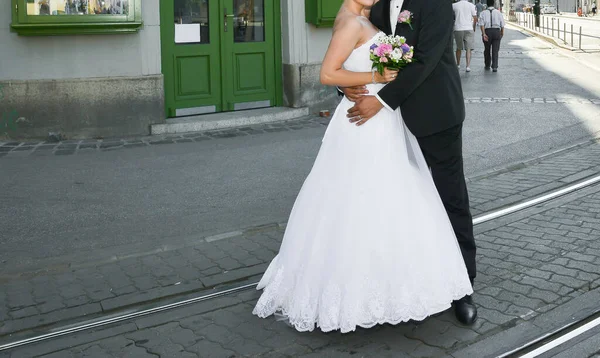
(354, 93)
(365, 108)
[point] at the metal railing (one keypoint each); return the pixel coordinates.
(551, 26)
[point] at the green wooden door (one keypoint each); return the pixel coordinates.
(220, 55)
(248, 54)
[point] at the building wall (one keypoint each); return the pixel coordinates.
(111, 85)
(564, 5)
(82, 86)
(304, 47)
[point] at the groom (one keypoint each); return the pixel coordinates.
(430, 97)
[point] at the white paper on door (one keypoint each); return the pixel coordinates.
(187, 33)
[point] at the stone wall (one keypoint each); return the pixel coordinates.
(81, 108)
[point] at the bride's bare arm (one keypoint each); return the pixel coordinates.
(346, 35)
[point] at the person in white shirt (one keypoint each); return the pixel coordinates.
(465, 18)
(492, 28)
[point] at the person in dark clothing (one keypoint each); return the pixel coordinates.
(492, 24)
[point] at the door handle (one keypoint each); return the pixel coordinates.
(226, 16)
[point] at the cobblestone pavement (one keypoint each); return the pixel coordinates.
(63, 293)
(530, 264)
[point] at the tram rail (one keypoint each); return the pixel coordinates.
(558, 337)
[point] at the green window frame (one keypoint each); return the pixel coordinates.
(322, 13)
(45, 25)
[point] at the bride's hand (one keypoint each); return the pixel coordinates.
(388, 76)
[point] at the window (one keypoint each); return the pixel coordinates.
(63, 17)
(322, 13)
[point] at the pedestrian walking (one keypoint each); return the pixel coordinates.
(479, 6)
(492, 24)
(594, 9)
(465, 18)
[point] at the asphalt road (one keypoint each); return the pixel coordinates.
(143, 197)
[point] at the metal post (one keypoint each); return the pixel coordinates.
(580, 37)
(565, 32)
(552, 27)
(558, 27)
(572, 36)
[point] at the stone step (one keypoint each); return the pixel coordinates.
(223, 120)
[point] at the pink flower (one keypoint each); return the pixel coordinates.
(405, 17)
(383, 49)
(386, 48)
(384, 60)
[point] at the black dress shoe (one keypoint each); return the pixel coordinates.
(465, 310)
(494, 70)
(487, 68)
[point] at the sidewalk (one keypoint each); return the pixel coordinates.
(564, 32)
(75, 147)
(574, 16)
(65, 292)
(538, 269)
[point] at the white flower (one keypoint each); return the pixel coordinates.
(396, 55)
(380, 38)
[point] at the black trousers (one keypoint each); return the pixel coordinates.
(492, 46)
(443, 153)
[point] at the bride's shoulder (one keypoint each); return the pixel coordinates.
(349, 22)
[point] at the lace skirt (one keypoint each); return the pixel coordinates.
(368, 240)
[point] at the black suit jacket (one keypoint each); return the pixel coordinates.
(428, 91)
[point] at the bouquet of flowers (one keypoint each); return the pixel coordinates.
(390, 52)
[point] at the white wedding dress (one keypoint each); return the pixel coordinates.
(368, 240)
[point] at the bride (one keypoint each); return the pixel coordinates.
(368, 240)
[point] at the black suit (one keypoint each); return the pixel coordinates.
(429, 91)
(429, 94)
